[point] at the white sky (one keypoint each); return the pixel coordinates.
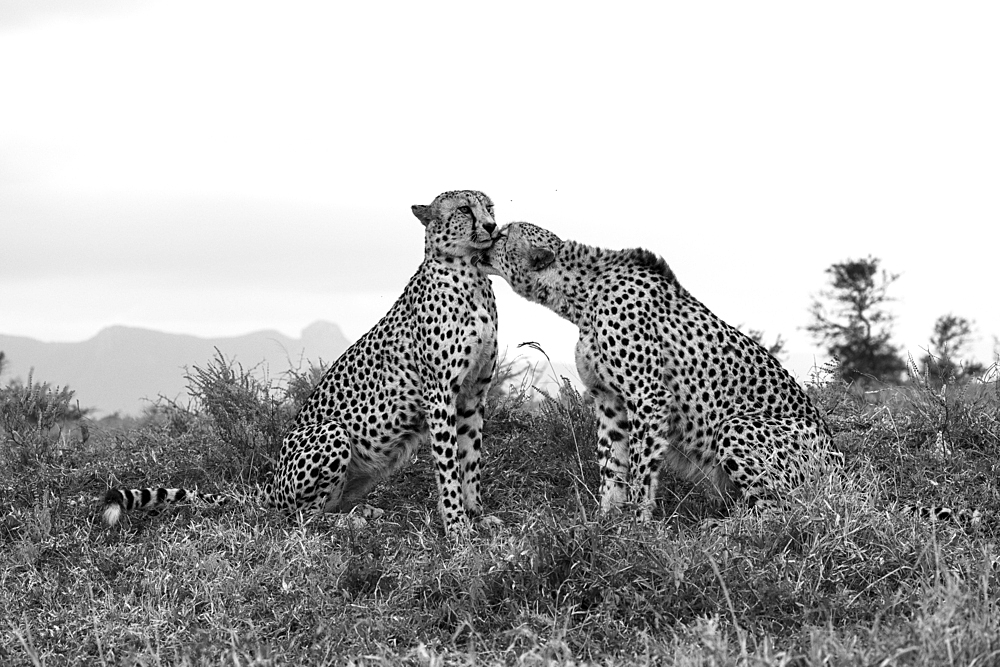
(219, 167)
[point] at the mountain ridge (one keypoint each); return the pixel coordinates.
(123, 368)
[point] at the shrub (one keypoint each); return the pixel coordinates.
(300, 383)
(27, 409)
(248, 414)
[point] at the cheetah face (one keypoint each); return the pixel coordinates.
(524, 255)
(458, 223)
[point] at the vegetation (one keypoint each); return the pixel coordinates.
(837, 577)
(775, 349)
(851, 320)
(33, 416)
(944, 362)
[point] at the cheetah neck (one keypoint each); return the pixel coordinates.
(568, 287)
(581, 270)
(459, 265)
(438, 256)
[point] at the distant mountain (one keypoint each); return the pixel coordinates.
(121, 369)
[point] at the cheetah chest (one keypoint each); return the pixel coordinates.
(481, 340)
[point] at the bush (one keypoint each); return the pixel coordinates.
(300, 383)
(32, 417)
(249, 415)
(31, 408)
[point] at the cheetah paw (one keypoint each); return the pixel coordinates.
(489, 522)
(367, 511)
(358, 516)
(350, 521)
(459, 530)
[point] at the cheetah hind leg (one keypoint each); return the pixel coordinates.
(312, 475)
(763, 459)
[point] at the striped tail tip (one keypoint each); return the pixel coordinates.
(112, 512)
(115, 503)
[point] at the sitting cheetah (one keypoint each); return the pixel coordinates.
(421, 373)
(670, 380)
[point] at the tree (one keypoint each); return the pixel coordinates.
(775, 349)
(942, 363)
(850, 319)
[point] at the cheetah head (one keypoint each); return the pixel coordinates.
(458, 223)
(524, 255)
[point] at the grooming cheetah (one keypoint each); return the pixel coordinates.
(670, 380)
(421, 373)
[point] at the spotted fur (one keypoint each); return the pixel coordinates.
(422, 373)
(671, 381)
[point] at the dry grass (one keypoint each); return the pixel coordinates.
(837, 577)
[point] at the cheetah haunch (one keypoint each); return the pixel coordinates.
(421, 373)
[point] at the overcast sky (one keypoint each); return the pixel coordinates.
(220, 167)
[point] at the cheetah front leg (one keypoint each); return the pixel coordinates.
(612, 447)
(442, 415)
(647, 445)
(470, 444)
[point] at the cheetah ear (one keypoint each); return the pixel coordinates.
(423, 213)
(540, 258)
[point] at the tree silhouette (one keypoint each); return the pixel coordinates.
(775, 349)
(850, 319)
(942, 363)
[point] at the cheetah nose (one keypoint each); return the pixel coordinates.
(490, 227)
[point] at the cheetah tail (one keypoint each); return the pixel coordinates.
(962, 517)
(118, 501)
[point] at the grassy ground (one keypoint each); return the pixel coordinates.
(836, 578)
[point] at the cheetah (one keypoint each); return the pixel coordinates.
(671, 381)
(422, 373)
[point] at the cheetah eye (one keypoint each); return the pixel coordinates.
(464, 209)
(489, 209)
(540, 258)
